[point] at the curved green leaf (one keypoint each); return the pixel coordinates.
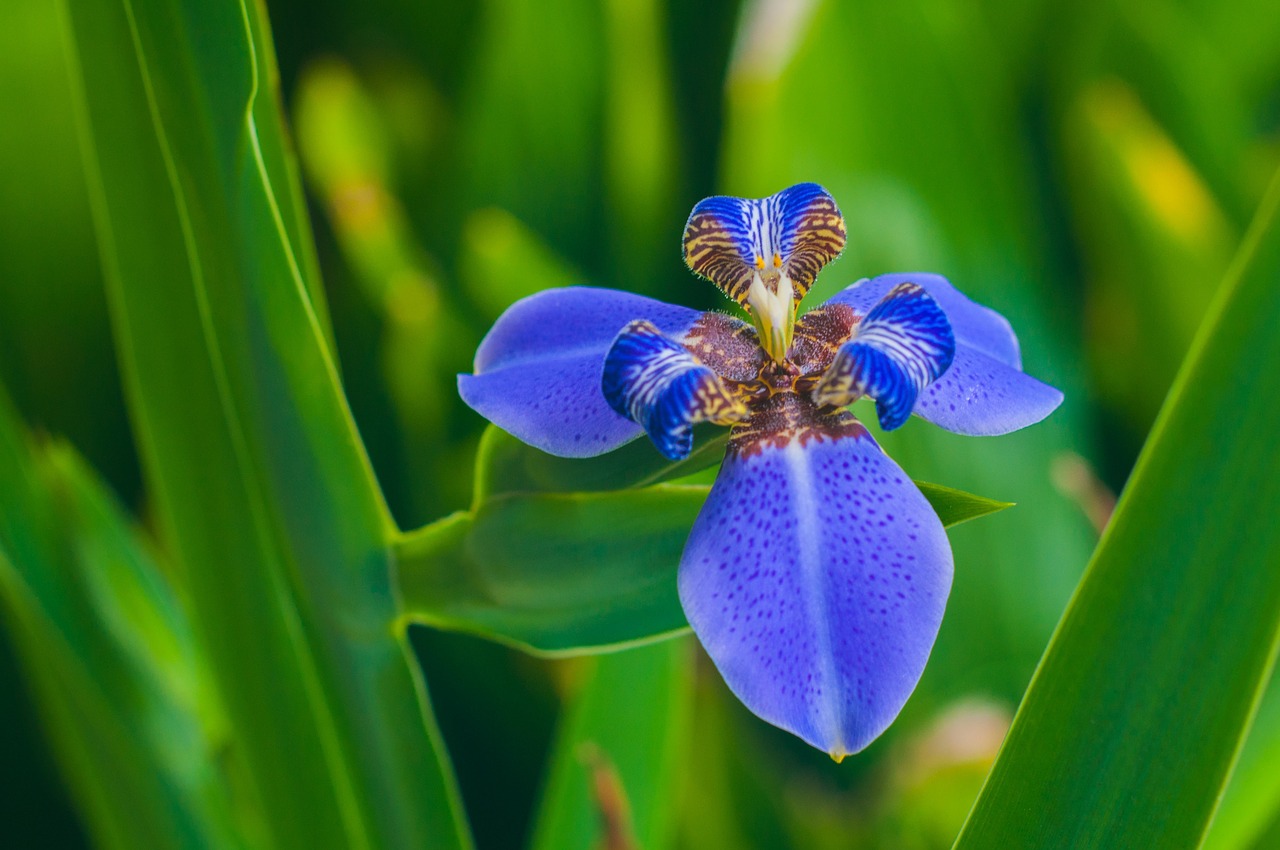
(1135, 716)
(554, 573)
(572, 572)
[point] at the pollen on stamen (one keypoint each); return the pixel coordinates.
(777, 261)
(759, 262)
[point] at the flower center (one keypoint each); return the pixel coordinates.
(772, 303)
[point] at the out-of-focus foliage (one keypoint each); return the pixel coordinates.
(217, 655)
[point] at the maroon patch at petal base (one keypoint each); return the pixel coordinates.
(781, 419)
(819, 334)
(726, 344)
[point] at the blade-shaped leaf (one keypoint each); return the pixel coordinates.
(1252, 800)
(1136, 713)
(956, 506)
(108, 649)
(259, 480)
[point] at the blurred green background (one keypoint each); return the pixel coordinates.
(1087, 169)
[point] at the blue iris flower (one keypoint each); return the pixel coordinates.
(816, 574)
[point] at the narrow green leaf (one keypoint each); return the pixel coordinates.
(108, 649)
(259, 480)
(956, 506)
(641, 166)
(1135, 716)
(616, 766)
(1252, 800)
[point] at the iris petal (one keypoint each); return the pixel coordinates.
(816, 576)
(658, 383)
(793, 233)
(982, 397)
(900, 347)
(537, 371)
(984, 392)
(973, 324)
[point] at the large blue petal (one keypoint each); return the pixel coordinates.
(816, 576)
(657, 382)
(537, 371)
(984, 392)
(900, 347)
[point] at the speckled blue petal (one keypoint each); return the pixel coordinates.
(982, 397)
(984, 392)
(900, 347)
(537, 371)
(816, 576)
(795, 232)
(656, 382)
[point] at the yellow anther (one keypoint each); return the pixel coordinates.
(759, 261)
(777, 261)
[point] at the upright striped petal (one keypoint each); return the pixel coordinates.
(984, 392)
(816, 576)
(659, 384)
(902, 345)
(765, 253)
(974, 325)
(537, 372)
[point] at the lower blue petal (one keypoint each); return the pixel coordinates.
(816, 576)
(537, 371)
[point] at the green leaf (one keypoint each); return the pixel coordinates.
(1136, 714)
(108, 649)
(617, 763)
(506, 465)
(260, 484)
(1252, 801)
(564, 573)
(556, 573)
(956, 506)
